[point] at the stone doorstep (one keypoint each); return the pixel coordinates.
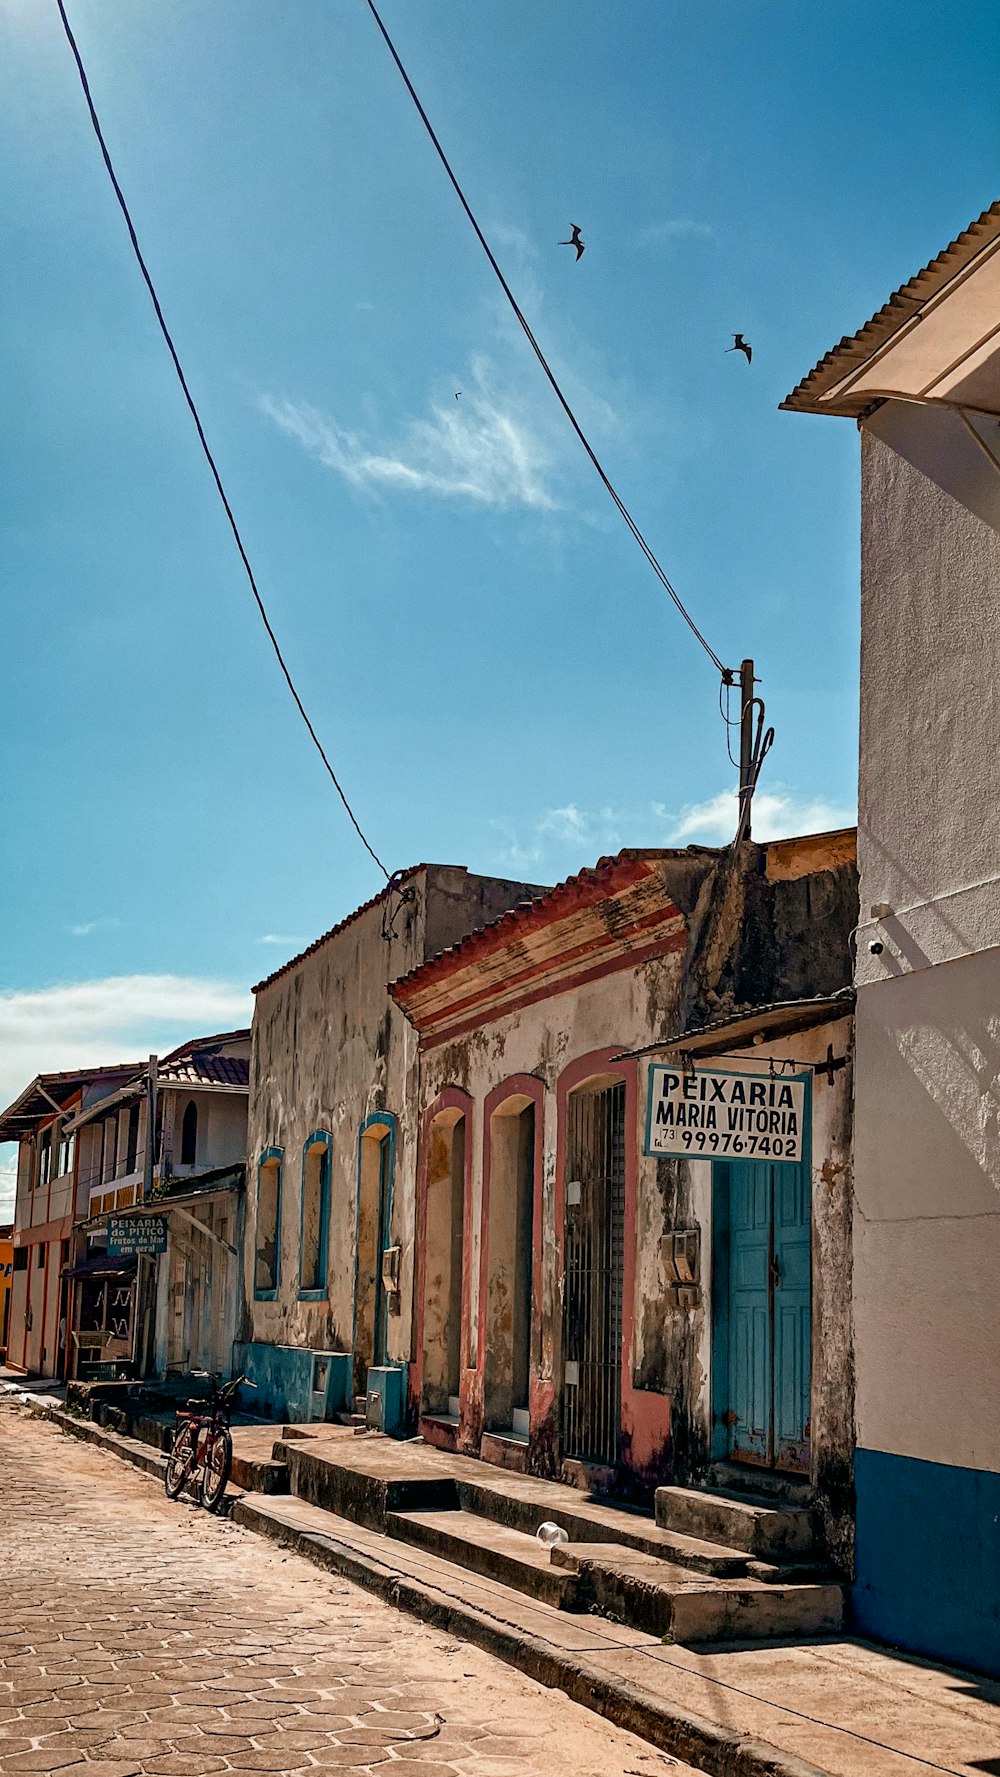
(779, 1486)
(486, 1526)
(257, 1474)
(623, 1584)
(669, 1601)
(531, 1637)
(343, 1479)
(482, 1546)
(757, 1526)
(589, 1521)
(367, 1482)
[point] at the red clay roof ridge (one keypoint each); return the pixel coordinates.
(485, 938)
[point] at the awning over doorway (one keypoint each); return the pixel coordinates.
(760, 1023)
(101, 1264)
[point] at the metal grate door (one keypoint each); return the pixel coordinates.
(594, 1260)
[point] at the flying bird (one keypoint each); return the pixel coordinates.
(740, 345)
(575, 241)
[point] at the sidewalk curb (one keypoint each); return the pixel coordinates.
(691, 1738)
(141, 1456)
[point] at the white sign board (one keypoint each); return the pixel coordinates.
(713, 1116)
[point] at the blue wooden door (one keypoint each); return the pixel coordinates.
(750, 1341)
(763, 1313)
(792, 1315)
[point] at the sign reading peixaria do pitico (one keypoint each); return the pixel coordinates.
(701, 1114)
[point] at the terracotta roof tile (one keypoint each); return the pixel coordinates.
(592, 884)
(206, 1070)
(32, 1105)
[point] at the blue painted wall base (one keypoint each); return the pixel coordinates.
(294, 1383)
(928, 1558)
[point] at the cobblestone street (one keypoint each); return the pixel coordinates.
(144, 1637)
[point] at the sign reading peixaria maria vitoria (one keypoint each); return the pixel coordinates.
(714, 1116)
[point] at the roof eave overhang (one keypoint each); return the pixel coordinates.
(203, 1086)
(762, 1024)
(936, 341)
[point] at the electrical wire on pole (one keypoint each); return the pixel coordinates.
(202, 439)
(727, 676)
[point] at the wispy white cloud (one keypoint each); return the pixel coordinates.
(560, 840)
(96, 1023)
(559, 834)
(481, 447)
(777, 814)
(278, 938)
(674, 228)
(517, 243)
(86, 926)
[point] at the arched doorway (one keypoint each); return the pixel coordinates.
(509, 1253)
(594, 1260)
(444, 1251)
(376, 1159)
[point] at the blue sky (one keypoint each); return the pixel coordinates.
(493, 668)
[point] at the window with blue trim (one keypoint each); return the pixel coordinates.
(268, 1247)
(315, 1215)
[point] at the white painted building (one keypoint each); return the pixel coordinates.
(922, 381)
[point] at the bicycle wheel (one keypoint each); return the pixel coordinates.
(215, 1474)
(180, 1462)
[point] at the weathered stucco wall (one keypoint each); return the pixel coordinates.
(758, 930)
(669, 1345)
(330, 1051)
(929, 814)
(543, 1041)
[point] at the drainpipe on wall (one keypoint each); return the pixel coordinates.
(150, 1155)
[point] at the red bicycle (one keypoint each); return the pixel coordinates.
(204, 1441)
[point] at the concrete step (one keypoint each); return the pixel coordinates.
(365, 1479)
(624, 1584)
(665, 1600)
(777, 1485)
(758, 1526)
(787, 1572)
(363, 1483)
(482, 1546)
(259, 1474)
(589, 1521)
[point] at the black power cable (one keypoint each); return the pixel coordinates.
(543, 361)
(189, 398)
